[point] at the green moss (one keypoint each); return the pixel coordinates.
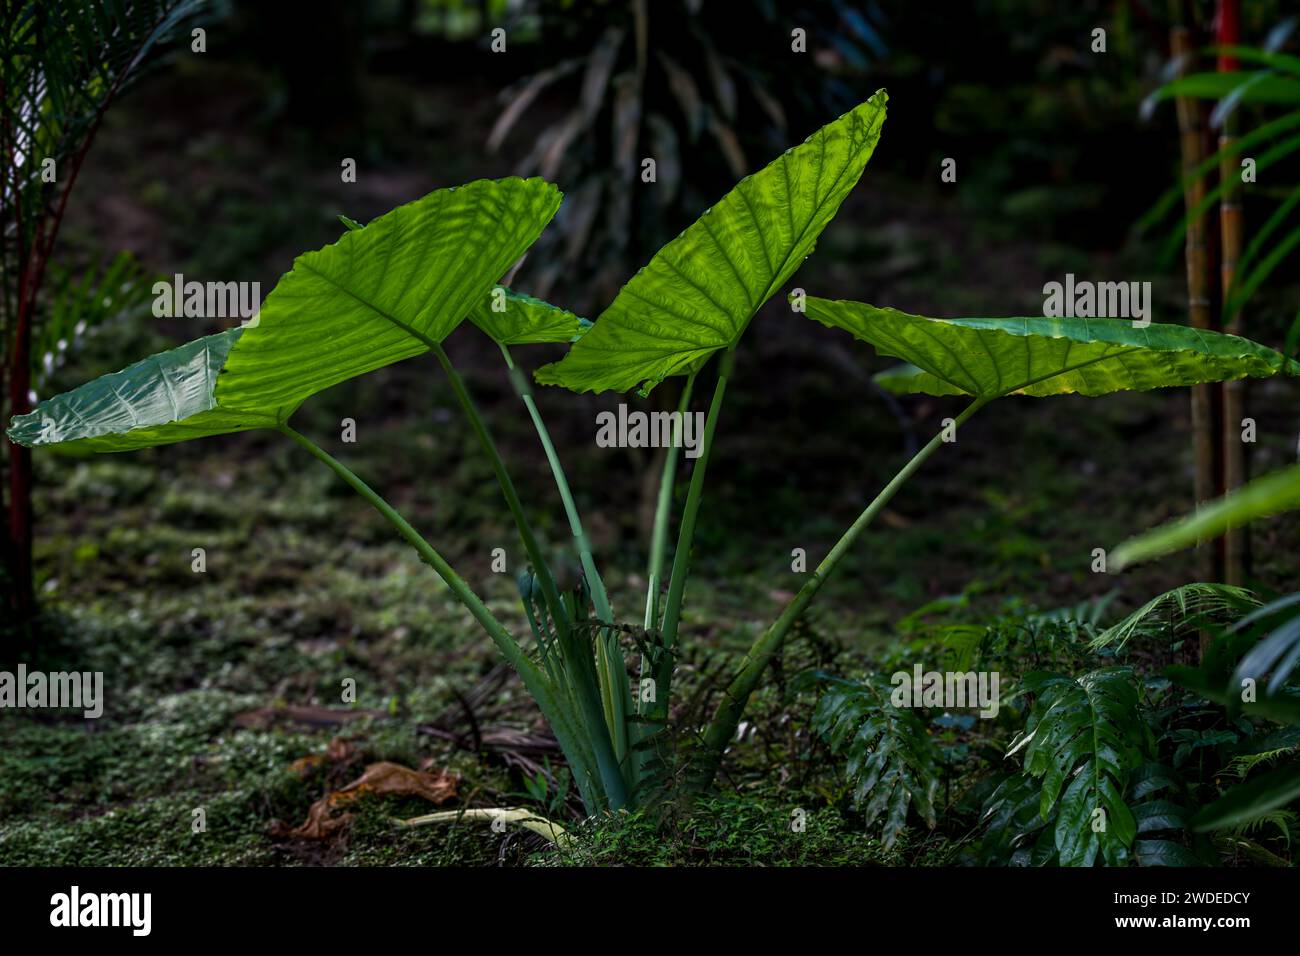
(725, 831)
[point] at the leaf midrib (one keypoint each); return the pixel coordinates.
(408, 329)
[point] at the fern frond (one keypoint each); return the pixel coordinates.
(1284, 820)
(1241, 765)
(891, 758)
(1177, 612)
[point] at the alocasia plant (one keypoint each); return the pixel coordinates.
(398, 286)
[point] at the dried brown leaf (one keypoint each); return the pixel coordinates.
(381, 779)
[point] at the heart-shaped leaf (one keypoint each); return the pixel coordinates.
(523, 320)
(351, 307)
(343, 310)
(166, 398)
(1043, 356)
(700, 291)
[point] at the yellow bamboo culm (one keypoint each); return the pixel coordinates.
(1200, 307)
(1231, 226)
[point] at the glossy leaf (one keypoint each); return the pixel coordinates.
(1164, 853)
(1043, 356)
(1011, 819)
(1085, 736)
(700, 291)
(1268, 495)
(165, 398)
(351, 307)
(524, 320)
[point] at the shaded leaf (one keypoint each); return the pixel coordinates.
(668, 165)
(1164, 853)
(1042, 356)
(1011, 818)
(1085, 735)
(687, 94)
(519, 100)
(526, 320)
(892, 762)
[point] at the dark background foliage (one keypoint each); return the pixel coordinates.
(225, 165)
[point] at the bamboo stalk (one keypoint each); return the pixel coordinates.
(1231, 230)
(1192, 148)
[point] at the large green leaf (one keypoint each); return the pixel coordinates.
(523, 320)
(1268, 495)
(351, 307)
(1043, 356)
(166, 398)
(700, 291)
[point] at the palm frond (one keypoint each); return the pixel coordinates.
(62, 63)
(77, 307)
